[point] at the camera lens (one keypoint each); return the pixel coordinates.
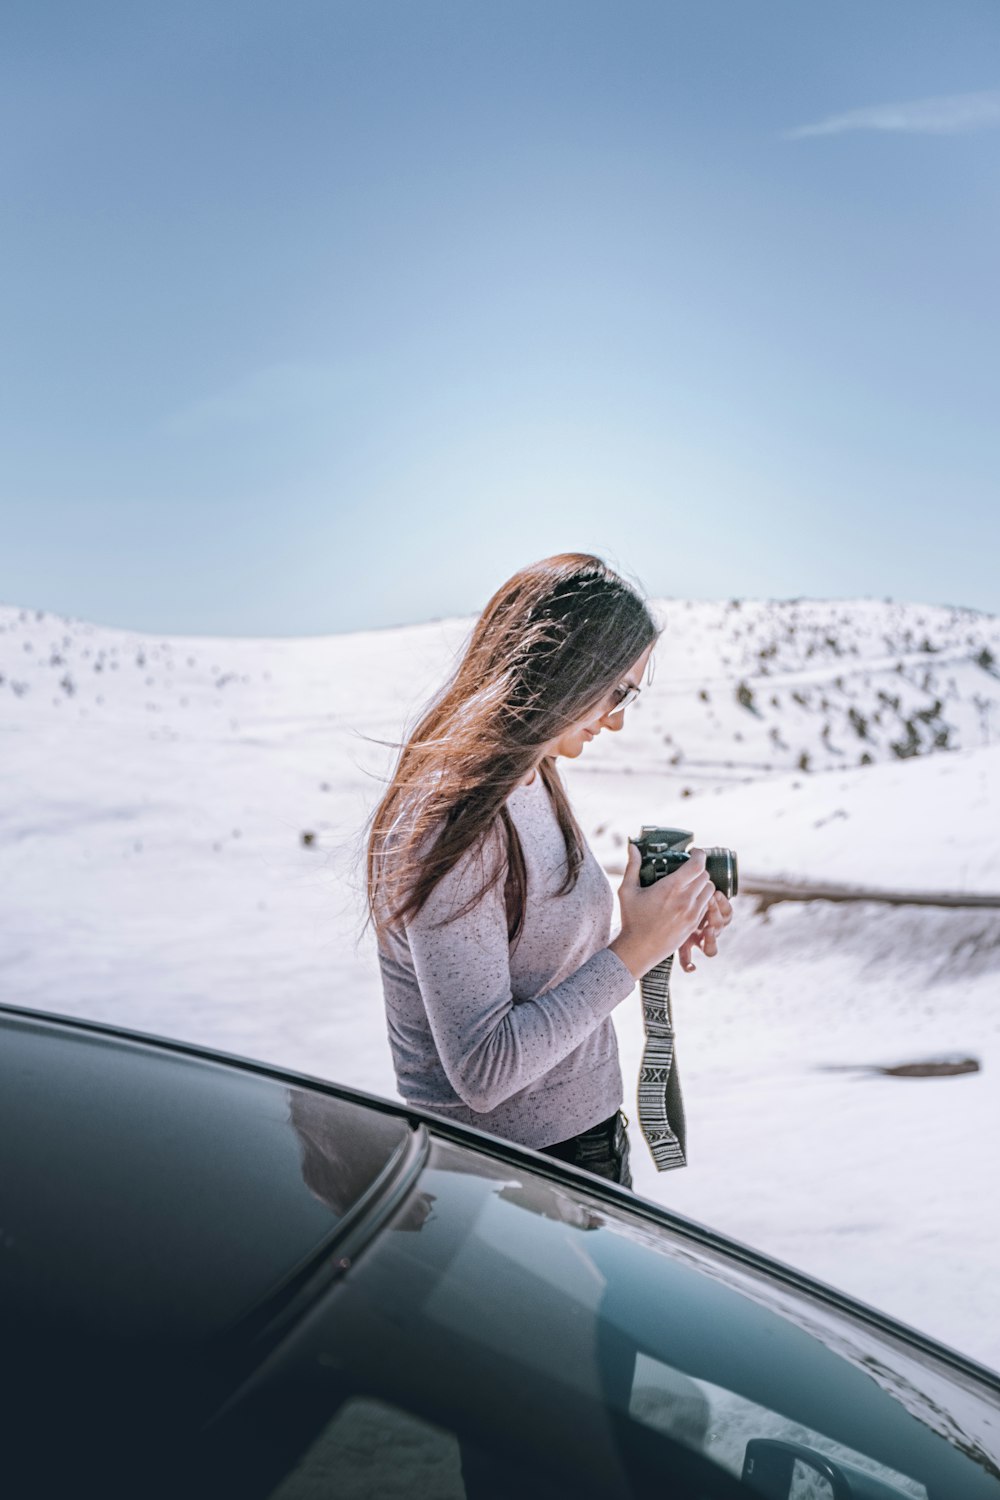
(722, 870)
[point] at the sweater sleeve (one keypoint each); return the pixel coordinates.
(491, 1046)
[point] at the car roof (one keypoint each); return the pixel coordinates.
(154, 1193)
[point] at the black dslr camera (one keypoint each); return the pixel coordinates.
(663, 850)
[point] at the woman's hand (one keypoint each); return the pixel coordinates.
(659, 919)
(719, 915)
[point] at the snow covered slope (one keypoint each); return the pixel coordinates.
(180, 842)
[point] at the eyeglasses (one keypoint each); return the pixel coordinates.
(622, 696)
(625, 693)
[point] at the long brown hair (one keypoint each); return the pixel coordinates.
(549, 645)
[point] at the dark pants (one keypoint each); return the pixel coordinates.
(603, 1150)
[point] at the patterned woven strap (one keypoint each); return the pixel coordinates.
(661, 1109)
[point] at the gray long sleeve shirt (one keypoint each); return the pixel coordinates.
(515, 1040)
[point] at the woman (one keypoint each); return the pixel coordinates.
(492, 914)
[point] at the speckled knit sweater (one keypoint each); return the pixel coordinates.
(514, 1040)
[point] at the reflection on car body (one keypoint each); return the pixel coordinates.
(223, 1279)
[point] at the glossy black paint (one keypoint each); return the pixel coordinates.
(153, 1194)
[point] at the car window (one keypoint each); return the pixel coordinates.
(594, 1351)
(806, 1485)
(720, 1423)
(372, 1450)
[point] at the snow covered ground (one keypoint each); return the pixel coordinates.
(181, 835)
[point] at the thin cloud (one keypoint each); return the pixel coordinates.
(949, 115)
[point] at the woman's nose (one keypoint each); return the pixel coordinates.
(614, 721)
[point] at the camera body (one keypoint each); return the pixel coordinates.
(664, 850)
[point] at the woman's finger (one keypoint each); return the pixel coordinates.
(689, 876)
(705, 894)
(633, 859)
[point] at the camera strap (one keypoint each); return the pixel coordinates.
(661, 1108)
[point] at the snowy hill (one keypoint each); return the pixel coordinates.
(180, 842)
(817, 685)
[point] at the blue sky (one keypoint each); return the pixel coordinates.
(323, 316)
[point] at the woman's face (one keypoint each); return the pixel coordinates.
(602, 716)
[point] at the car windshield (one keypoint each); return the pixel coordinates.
(510, 1324)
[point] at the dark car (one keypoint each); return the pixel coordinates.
(218, 1278)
